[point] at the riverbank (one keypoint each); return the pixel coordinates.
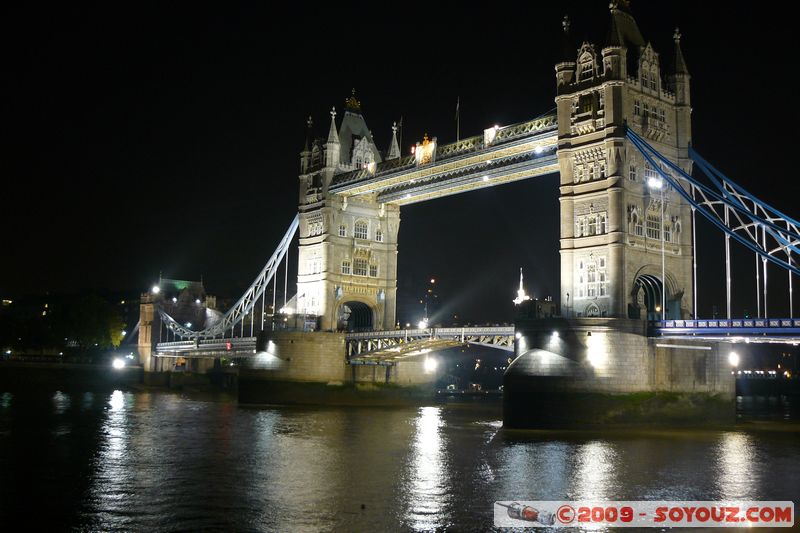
(18, 374)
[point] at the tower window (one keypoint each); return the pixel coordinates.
(653, 226)
(342, 231)
(586, 104)
(632, 173)
(379, 235)
(360, 267)
(649, 172)
(345, 267)
(587, 69)
(373, 271)
(637, 108)
(360, 230)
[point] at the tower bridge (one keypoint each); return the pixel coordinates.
(631, 187)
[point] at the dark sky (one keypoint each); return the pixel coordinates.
(143, 139)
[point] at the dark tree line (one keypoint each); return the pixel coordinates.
(77, 325)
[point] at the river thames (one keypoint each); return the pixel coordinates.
(161, 461)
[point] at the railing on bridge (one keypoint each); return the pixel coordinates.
(778, 330)
(407, 340)
(235, 347)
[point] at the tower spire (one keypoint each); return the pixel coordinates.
(521, 296)
(394, 147)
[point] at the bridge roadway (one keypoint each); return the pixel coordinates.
(768, 330)
(369, 347)
(386, 347)
(501, 155)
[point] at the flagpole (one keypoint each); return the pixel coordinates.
(458, 118)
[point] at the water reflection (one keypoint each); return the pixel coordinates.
(593, 478)
(61, 402)
(152, 461)
(429, 487)
(111, 485)
(737, 465)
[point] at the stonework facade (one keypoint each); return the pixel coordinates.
(347, 270)
(611, 219)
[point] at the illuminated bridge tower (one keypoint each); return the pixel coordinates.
(611, 214)
(347, 269)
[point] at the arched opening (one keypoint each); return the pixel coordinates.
(647, 297)
(354, 316)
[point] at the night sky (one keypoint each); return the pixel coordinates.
(140, 140)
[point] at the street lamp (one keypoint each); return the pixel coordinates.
(658, 184)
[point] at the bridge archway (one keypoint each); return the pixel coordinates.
(646, 298)
(355, 316)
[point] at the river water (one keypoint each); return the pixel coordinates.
(148, 461)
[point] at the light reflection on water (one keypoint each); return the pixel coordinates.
(737, 466)
(429, 488)
(140, 461)
(596, 465)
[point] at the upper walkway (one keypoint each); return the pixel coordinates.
(501, 155)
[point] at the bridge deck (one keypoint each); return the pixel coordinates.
(770, 330)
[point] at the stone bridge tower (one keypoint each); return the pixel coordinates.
(611, 223)
(347, 269)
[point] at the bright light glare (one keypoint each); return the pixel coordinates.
(118, 363)
(555, 334)
(655, 183)
(197, 301)
(486, 178)
(156, 289)
(430, 365)
(538, 149)
(188, 324)
(124, 332)
(518, 335)
(423, 324)
(174, 299)
(733, 359)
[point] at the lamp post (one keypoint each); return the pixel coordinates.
(658, 184)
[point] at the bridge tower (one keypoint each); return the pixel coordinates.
(347, 269)
(611, 214)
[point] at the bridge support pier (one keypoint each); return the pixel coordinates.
(598, 372)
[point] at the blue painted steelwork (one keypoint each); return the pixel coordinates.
(748, 218)
(776, 329)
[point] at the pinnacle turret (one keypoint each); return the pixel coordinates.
(394, 147)
(679, 63)
(333, 135)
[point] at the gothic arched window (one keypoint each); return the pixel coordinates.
(360, 230)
